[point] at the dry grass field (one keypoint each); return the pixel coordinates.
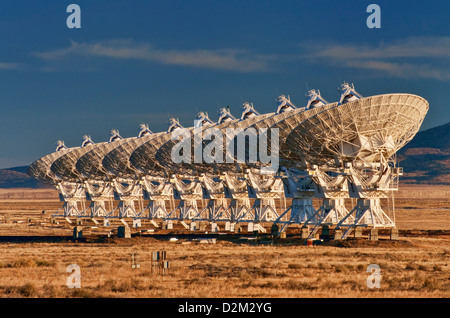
(34, 255)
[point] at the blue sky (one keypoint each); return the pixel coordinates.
(138, 62)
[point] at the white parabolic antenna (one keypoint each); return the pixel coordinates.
(364, 129)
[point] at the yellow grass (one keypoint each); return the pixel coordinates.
(224, 270)
(415, 266)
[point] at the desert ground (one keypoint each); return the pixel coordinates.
(35, 251)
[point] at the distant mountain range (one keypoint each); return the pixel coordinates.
(425, 160)
(17, 177)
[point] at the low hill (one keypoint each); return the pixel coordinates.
(426, 159)
(17, 177)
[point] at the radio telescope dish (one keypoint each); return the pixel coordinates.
(117, 161)
(164, 153)
(64, 167)
(143, 157)
(282, 122)
(249, 116)
(362, 129)
(41, 168)
(285, 123)
(91, 163)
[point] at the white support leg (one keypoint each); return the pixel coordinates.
(265, 210)
(241, 210)
(127, 209)
(188, 209)
(368, 212)
(71, 208)
(301, 210)
(157, 209)
(335, 211)
(98, 208)
(217, 208)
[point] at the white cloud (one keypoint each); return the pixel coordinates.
(10, 66)
(416, 57)
(430, 47)
(225, 59)
(403, 70)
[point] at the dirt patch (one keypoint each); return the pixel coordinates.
(358, 243)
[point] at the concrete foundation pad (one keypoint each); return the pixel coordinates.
(394, 234)
(338, 234)
(373, 235)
